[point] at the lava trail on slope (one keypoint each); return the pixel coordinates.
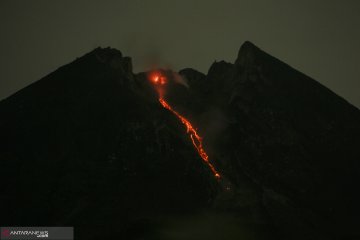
(158, 80)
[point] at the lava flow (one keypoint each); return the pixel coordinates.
(159, 79)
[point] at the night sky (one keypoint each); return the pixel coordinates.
(319, 38)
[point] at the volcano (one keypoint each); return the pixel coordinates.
(91, 146)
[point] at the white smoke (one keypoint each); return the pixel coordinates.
(180, 79)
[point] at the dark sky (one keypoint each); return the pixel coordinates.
(319, 38)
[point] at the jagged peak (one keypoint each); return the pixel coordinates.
(106, 55)
(247, 54)
(219, 67)
(190, 71)
(192, 76)
(107, 52)
(114, 58)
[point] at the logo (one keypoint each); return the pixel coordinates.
(50, 233)
(43, 234)
(5, 233)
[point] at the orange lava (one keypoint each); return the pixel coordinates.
(159, 80)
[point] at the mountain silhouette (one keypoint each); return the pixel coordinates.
(90, 146)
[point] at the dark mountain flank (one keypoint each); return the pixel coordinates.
(90, 146)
